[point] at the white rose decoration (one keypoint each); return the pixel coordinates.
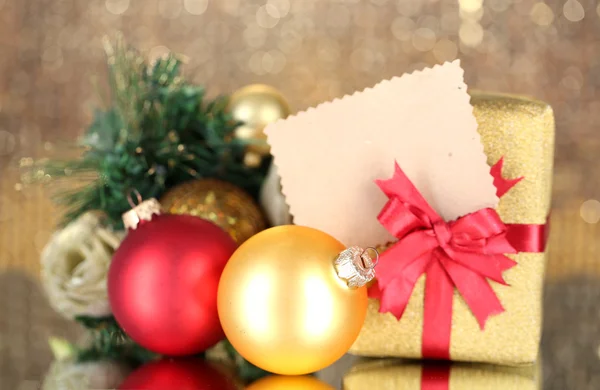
(75, 264)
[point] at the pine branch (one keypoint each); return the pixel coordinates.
(247, 371)
(158, 131)
(109, 342)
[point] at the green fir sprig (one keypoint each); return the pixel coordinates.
(247, 371)
(109, 342)
(156, 132)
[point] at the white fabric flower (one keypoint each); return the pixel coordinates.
(74, 266)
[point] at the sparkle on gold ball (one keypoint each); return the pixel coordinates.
(282, 305)
(220, 202)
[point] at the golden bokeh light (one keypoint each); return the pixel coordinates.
(573, 11)
(445, 50)
(117, 7)
(590, 211)
(542, 14)
(471, 33)
(423, 39)
(195, 7)
(267, 16)
(470, 5)
(282, 7)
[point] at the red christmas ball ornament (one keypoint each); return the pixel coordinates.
(187, 374)
(163, 280)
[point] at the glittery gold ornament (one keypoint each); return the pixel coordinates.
(522, 131)
(256, 106)
(218, 201)
(285, 299)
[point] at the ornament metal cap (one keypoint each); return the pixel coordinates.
(355, 266)
(144, 210)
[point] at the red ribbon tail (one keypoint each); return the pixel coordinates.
(435, 377)
(492, 266)
(396, 294)
(475, 290)
(437, 315)
(395, 261)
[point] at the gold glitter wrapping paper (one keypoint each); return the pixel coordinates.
(222, 203)
(399, 375)
(521, 130)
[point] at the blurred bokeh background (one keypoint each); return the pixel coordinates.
(311, 50)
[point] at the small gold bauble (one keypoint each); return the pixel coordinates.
(282, 305)
(220, 202)
(256, 105)
(278, 382)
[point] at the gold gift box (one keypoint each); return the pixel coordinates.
(398, 375)
(522, 131)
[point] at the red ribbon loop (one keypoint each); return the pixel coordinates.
(461, 254)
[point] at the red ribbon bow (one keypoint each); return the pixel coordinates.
(460, 254)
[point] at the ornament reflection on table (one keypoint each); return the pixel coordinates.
(68, 374)
(277, 382)
(220, 202)
(163, 279)
(409, 375)
(256, 106)
(292, 299)
(180, 374)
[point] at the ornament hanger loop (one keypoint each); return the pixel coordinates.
(369, 262)
(355, 265)
(138, 196)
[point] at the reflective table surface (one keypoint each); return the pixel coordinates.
(569, 357)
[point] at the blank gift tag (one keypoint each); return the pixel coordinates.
(329, 156)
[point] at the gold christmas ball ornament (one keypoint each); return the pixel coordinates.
(292, 299)
(220, 202)
(277, 382)
(256, 106)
